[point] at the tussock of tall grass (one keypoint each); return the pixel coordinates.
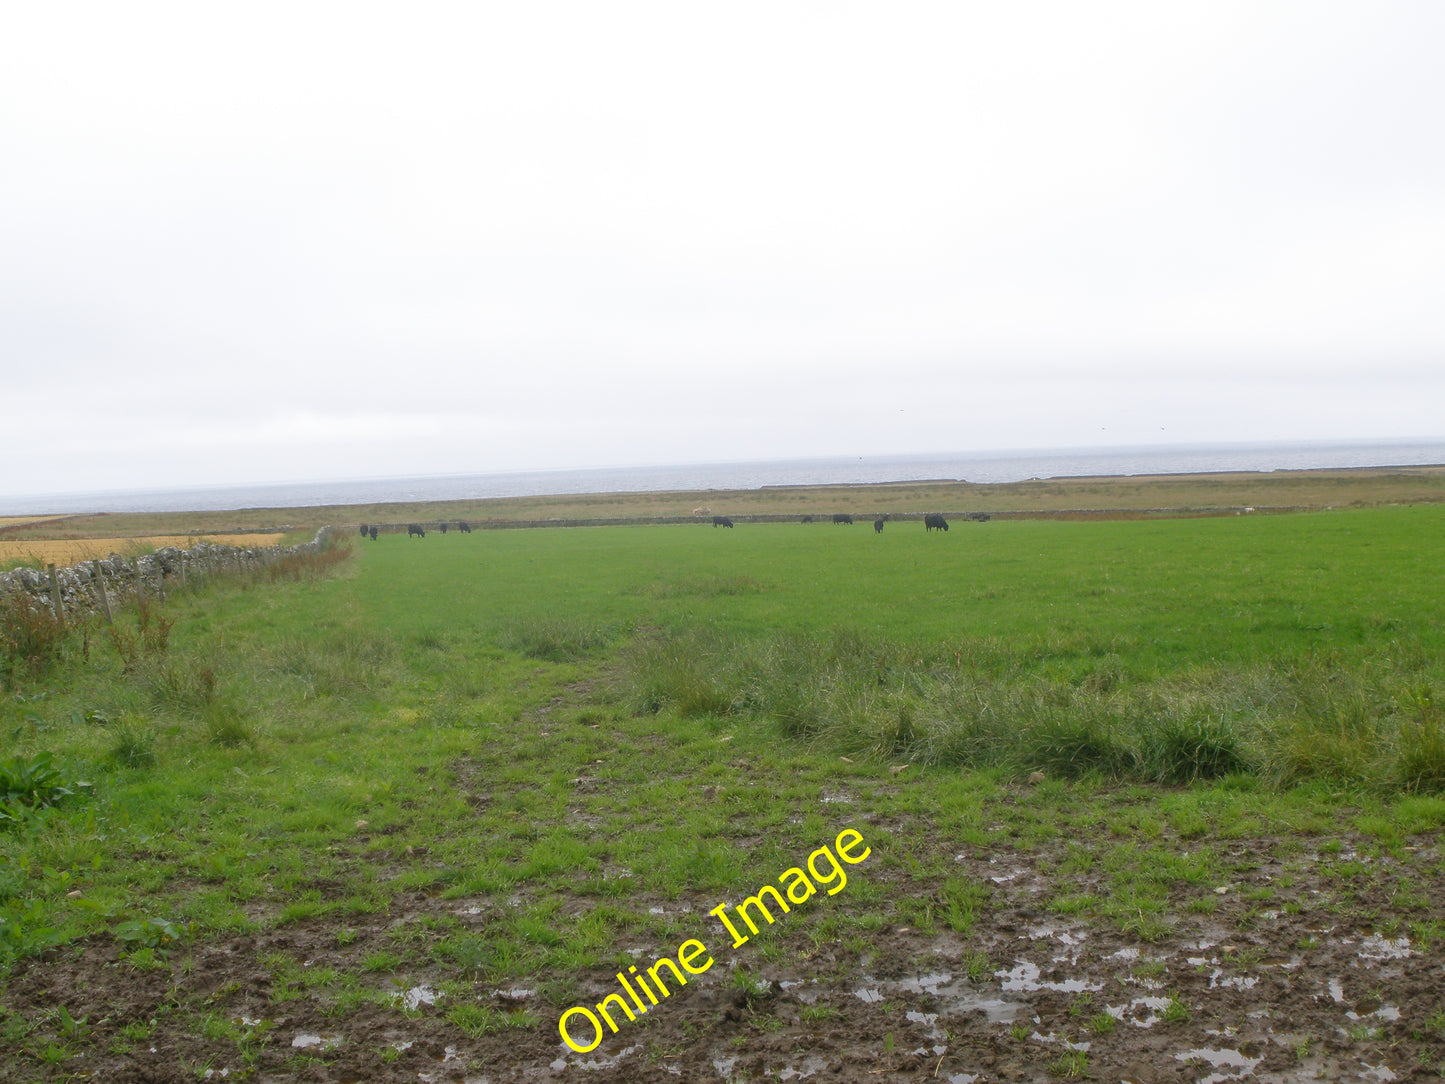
(557, 640)
(133, 742)
(703, 587)
(683, 673)
(192, 687)
(339, 661)
(184, 686)
(1369, 719)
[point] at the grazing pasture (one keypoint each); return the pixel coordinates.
(1168, 788)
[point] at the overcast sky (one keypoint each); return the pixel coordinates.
(302, 241)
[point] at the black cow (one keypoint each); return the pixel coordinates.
(363, 530)
(878, 525)
(373, 534)
(842, 517)
(807, 519)
(934, 521)
(444, 527)
(463, 526)
(415, 529)
(721, 521)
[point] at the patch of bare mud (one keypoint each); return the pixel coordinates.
(1291, 974)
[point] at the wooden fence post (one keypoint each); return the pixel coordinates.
(55, 602)
(100, 591)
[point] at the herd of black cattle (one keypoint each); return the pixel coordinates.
(933, 521)
(370, 530)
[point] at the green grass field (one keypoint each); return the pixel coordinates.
(1300, 646)
(1171, 592)
(521, 760)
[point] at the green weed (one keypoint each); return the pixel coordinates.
(754, 991)
(1070, 1064)
(483, 1019)
(31, 639)
(31, 783)
(814, 1014)
(150, 933)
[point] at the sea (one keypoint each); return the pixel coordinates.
(1003, 466)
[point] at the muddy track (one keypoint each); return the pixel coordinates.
(1238, 994)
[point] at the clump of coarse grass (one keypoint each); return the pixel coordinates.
(970, 704)
(704, 587)
(338, 661)
(227, 725)
(790, 680)
(686, 674)
(470, 954)
(1420, 763)
(133, 743)
(1107, 675)
(1305, 748)
(845, 688)
(1071, 745)
(1187, 750)
(478, 1020)
(557, 640)
(189, 686)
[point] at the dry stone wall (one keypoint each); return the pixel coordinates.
(152, 574)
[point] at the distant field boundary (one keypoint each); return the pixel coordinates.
(15, 524)
(862, 519)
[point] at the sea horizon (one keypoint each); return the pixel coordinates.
(975, 467)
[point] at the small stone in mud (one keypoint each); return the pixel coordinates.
(1036, 778)
(361, 824)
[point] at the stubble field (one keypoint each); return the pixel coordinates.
(1144, 800)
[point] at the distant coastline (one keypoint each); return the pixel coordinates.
(976, 467)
